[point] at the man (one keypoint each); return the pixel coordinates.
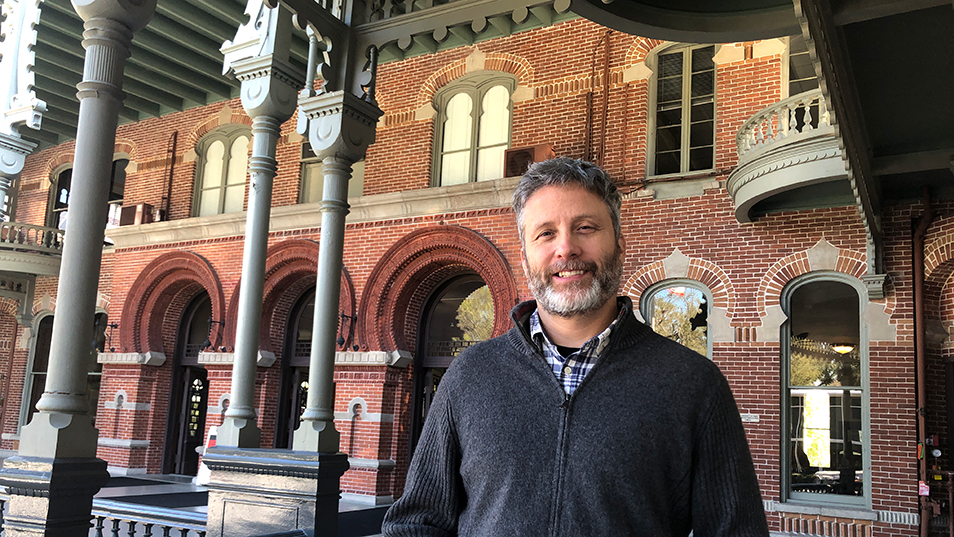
(580, 420)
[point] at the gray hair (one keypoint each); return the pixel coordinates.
(564, 171)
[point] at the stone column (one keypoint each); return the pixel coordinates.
(269, 94)
(55, 474)
(341, 127)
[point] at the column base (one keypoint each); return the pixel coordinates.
(58, 435)
(50, 497)
(263, 491)
(316, 436)
(239, 433)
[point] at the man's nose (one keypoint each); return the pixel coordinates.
(567, 246)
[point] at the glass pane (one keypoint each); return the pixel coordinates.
(826, 442)
(356, 185)
(702, 112)
(312, 182)
(494, 117)
(701, 134)
(41, 354)
(475, 315)
(92, 395)
(214, 162)
(63, 189)
(669, 138)
(679, 313)
(825, 336)
(36, 391)
(459, 123)
(209, 204)
(118, 181)
(234, 198)
(462, 316)
(667, 163)
(455, 168)
(703, 84)
(665, 118)
(700, 159)
(702, 59)
(238, 161)
(669, 89)
(490, 163)
(670, 64)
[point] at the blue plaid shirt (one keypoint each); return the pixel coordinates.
(571, 369)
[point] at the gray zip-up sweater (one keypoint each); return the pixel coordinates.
(650, 444)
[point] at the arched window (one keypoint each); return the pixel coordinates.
(313, 181)
(59, 204)
(222, 169)
(682, 102)
(472, 129)
(824, 371)
(679, 310)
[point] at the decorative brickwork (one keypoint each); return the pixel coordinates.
(147, 306)
(416, 258)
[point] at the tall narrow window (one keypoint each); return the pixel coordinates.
(222, 171)
(472, 129)
(825, 393)
(60, 195)
(679, 310)
(685, 110)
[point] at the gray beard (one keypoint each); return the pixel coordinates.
(577, 301)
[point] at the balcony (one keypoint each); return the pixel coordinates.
(28, 249)
(789, 159)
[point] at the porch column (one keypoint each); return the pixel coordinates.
(56, 473)
(340, 128)
(269, 94)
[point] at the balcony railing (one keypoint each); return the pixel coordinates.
(787, 147)
(800, 114)
(16, 236)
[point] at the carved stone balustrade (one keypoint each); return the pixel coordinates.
(787, 146)
(29, 249)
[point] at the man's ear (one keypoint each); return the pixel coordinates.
(622, 244)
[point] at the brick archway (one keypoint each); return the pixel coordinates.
(786, 269)
(290, 270)
(413, 267)
(149, 302)
(705, 272)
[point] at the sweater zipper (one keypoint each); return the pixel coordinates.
(556, 511)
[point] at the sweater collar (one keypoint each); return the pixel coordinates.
(628, 331)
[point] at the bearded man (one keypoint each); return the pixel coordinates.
(580, 421)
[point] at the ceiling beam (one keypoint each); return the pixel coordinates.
(196, 42)
(852, 11)
(225, 10)
(939, 159)
(184, 14)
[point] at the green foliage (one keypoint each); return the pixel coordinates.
(673, 311)
(475, 316)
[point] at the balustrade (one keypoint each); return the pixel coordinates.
(799, 114)
(29, 237)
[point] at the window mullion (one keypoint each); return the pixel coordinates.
(686, 110)
(475, 111)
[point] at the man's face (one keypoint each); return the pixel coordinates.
(571, 256)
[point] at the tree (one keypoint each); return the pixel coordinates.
(673, 312)
(475, 316)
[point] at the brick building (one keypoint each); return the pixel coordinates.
(737, 207)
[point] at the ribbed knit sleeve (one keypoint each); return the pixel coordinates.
(433, 494)
(725, 493)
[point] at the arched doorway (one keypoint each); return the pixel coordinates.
(458, 314)
(188, 398)
(295, 363)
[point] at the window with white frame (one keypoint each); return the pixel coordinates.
(683, 97)
(472, 128)
(222, 169)
(39, 365)
(60, 195)
(313, 181)
(824, 364)
(679, 310)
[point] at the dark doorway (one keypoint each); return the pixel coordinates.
(457, 315)
(188, 398)
(294, 394)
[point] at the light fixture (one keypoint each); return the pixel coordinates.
(341, 341)
(842, 348)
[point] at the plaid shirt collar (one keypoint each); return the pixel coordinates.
(571, 369)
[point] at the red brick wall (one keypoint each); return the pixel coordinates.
(555, 63)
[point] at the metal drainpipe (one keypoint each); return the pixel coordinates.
(920, 358)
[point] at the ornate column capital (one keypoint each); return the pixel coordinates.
(270, 86)
(133, 14)
(340, 124)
